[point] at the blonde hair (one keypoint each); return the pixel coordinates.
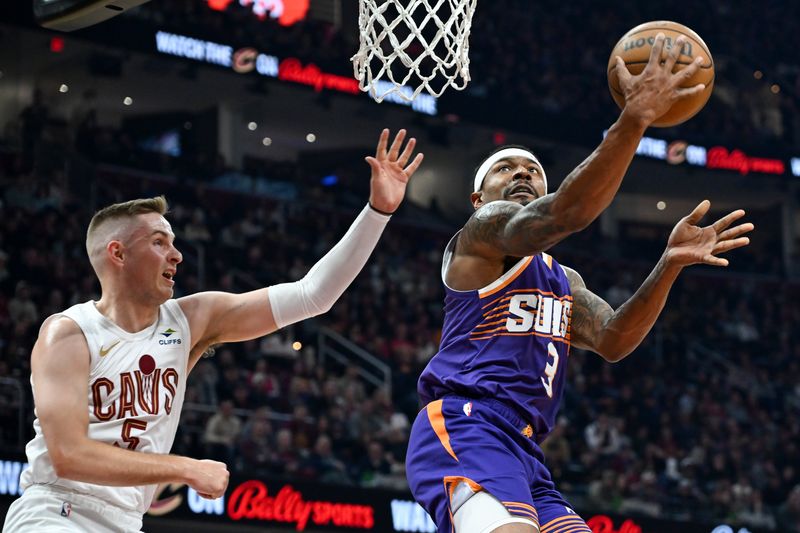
(120, 211)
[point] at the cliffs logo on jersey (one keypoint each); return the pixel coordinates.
(143, 391)
(527, 312)
(167, 341)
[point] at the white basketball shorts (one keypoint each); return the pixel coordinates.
(55, 510)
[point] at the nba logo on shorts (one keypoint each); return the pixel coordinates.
(468, 408)
(66, 509)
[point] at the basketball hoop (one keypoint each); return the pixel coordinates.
(407, 46)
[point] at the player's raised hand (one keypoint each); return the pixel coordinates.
(391, 171)
(691, 244)
(651, 93)
(209, 478)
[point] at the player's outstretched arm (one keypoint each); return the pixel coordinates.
(505, 229)
(615, 334)
(217, 317)
(60, 371)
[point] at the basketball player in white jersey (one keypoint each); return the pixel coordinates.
(109, 376)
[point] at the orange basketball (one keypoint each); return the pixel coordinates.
(634, 49)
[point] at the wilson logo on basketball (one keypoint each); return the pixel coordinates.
(638, 43)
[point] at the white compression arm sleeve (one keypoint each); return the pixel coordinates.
(327, 280)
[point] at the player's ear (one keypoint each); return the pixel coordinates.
(477, 199)
(116, 251)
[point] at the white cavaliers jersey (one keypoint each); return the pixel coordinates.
(134, 396)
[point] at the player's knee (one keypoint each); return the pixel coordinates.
(480, 512)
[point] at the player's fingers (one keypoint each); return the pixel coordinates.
(680, 77)
(727, 220)
(736, 231)
(623, 74)
(674, 53)
(374, 164)
(410, 169)
(731, 244)
(657, 50)
(690, 91)
(383, 141)
(398, 142)
(715, 261)
(698, 213)
(406, 155)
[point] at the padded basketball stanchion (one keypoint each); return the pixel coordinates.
(69, 15)
(407, 46)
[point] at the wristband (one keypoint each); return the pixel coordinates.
(384, 213)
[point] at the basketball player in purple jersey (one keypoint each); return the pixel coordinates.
(512, 312)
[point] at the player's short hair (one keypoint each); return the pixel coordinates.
(157, 204)
(129, 209)
(499, 149)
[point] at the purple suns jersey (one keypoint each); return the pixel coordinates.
(508, 341)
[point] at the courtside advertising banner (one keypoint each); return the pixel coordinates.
(309, 506)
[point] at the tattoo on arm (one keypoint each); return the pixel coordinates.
(590, 313)
(483, 231)
(537, 227)
(508, 229)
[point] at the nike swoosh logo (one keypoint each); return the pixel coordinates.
(104, 351)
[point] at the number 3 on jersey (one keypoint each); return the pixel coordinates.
(550, 370)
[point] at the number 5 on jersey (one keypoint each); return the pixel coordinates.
(129, 425)
(550, 370)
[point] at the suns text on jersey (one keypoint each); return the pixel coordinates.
(542, 314)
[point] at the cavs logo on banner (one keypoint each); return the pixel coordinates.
(166, 499)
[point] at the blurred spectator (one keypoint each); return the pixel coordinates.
(323, 466)
(196, 230)
(789, 512)
(221, 432)
(21, 308)
(602, 436)
(604, 492)
(557, 450)
(286, 459)
(374, 468)
(253, 453)
(264, 384)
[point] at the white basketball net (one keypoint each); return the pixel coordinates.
(408, 46)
